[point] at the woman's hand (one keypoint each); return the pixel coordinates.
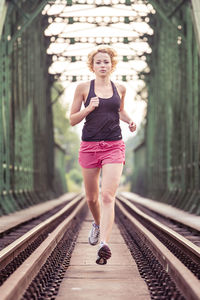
(94, 102)
(132, 126)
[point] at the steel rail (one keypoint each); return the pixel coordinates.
(10, 222)
(15, 286)
(176, 236)
(11, 251)
(185, 280)
(165, 210)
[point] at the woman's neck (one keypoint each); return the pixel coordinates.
(102, 81)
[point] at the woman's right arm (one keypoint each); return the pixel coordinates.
(76, 114)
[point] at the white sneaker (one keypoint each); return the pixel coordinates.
(94, 234)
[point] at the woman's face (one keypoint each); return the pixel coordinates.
(102, 65)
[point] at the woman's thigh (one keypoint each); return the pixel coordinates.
(111, 174)
(91, 181)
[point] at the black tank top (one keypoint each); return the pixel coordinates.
(103, 122)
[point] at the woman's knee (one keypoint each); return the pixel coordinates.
(92, 199)
(107, 198)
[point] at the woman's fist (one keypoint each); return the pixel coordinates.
(94, 102)
(132, 126)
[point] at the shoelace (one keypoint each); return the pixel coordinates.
(95, 231)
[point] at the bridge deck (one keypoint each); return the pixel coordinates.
(119, 279)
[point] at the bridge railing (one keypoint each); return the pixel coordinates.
(172, 132)
(26, 129)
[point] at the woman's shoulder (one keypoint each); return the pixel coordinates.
(82, 89)
(83, 85)
(120, 87)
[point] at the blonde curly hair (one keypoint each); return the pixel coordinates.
(103, 49)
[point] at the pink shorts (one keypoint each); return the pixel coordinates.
(97, 154)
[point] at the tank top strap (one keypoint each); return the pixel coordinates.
(91, 93)
(115, 92)
(92, 88)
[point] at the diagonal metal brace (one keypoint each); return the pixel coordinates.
(20, 10)
(176, 8)
(60, 93)
(28, 20)
(166, 18)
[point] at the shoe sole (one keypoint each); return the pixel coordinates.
(104, 254)
(101, 261)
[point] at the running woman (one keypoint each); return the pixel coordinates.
(102, 147)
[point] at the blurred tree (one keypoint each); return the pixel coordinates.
(76, 176)
(128, 167)
(64, 135)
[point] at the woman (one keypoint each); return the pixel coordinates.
(102, 146)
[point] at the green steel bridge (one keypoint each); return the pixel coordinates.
(167, 147)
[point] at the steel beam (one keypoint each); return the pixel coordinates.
(196, 20)
(165, 17)
(28, 20)
(3, 10)
(175, 9)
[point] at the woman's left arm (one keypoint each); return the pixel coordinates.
(123, 115)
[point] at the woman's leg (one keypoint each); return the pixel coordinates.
(111, 174)
(91, 182)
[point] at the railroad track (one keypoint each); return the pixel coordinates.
(19, 228)
(22, 259)
(33, 266)
(179, 257)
